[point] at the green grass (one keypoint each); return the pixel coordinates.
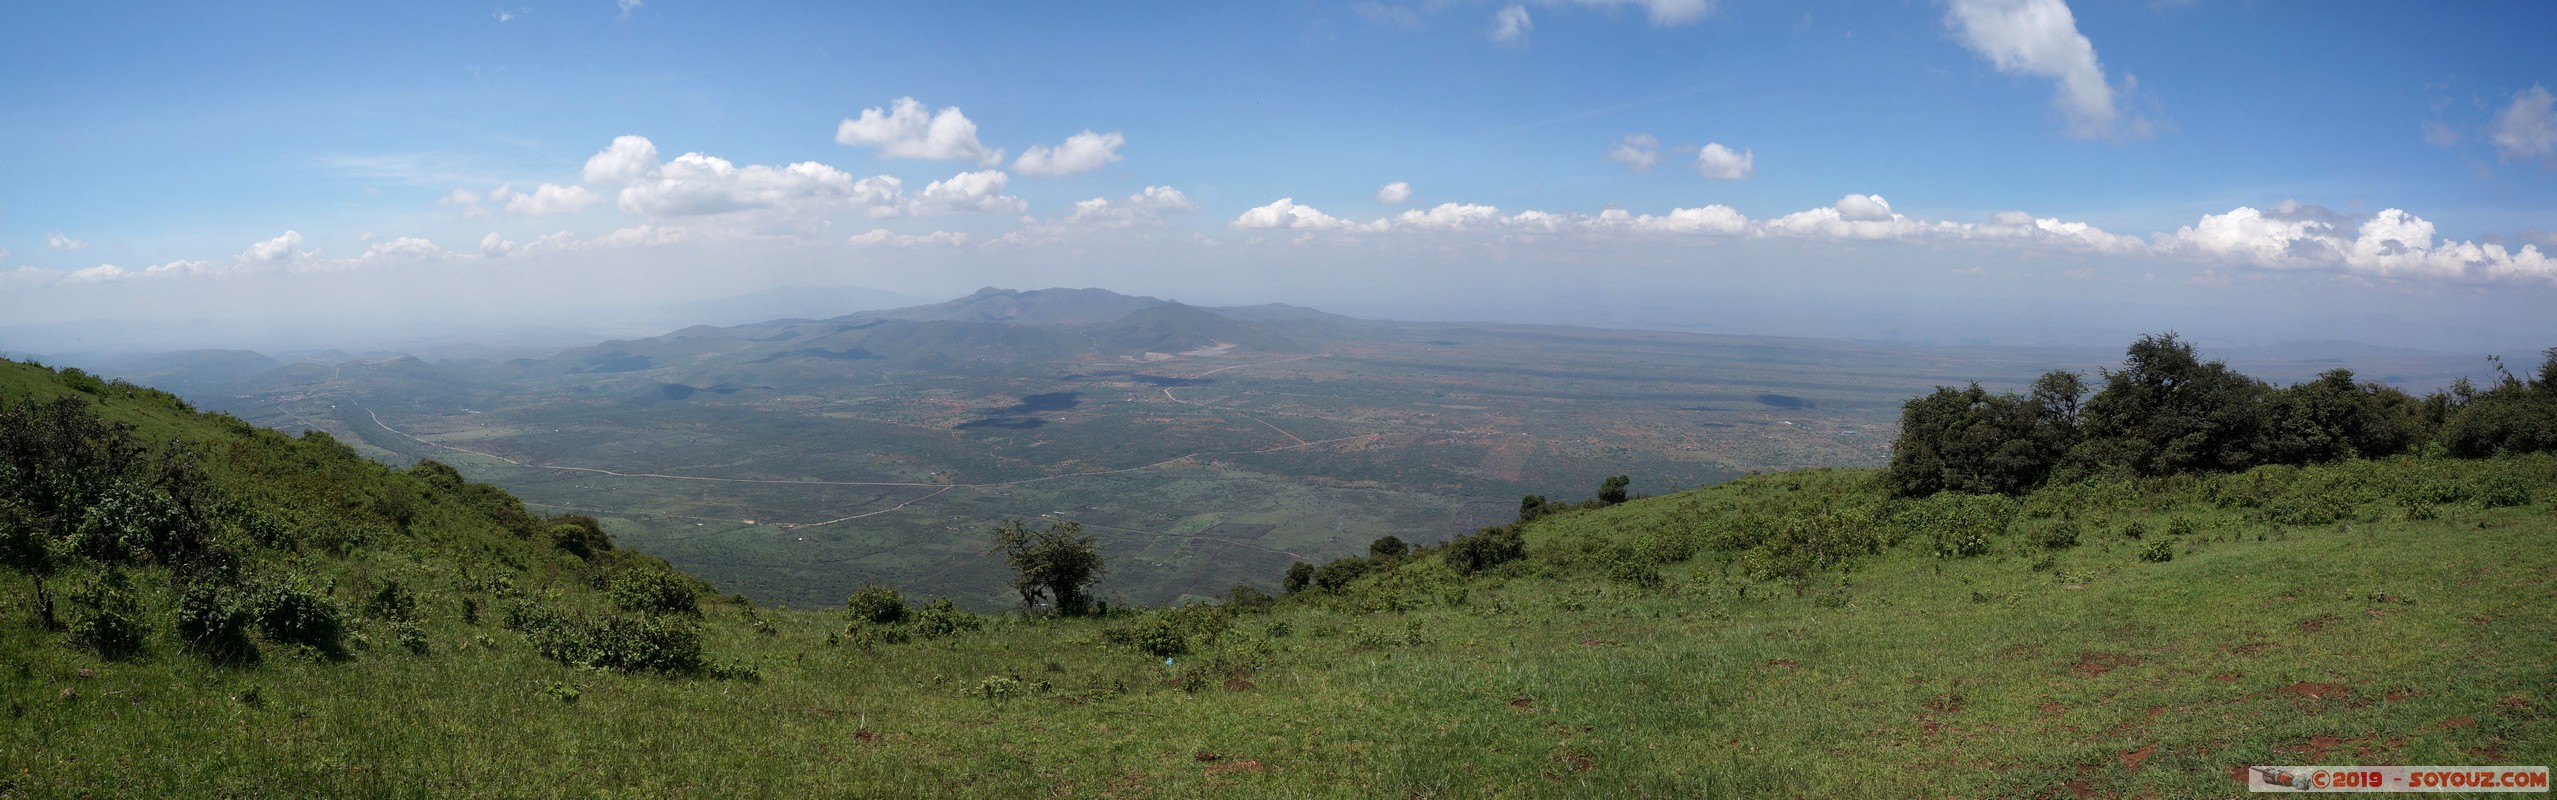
(2373, 637)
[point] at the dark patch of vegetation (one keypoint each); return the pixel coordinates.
(2167, 412)
(1785, 401)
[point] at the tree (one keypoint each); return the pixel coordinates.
(2331, 418)
(2168, 412)
(1057, 565)
(1968, 440)
(1388, 547)
(1612, 490)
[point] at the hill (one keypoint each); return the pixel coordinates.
(296, 616)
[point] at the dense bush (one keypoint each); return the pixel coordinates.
(1387, 547)
(1337, 574)
(654, 591)
(1485, 549)
(876, 604)
(290, 612)
(2059, 535)
(580, 536)
(1958, 526)
(107, 618)
(214, 622)
(1299, 576)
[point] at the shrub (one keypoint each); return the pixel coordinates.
(1299, 576)
(1388, 547)
(625, 644)
(1959, 526)
(391, 601)
(293, 613)
(1485, 549)
(653, 591)
(1337, 574)
(2059, 536)
(579, 536)
(2182, 527)
(2159, 551)
(213, 623)
(1159, 636)
(876, 604)
(2134, 531)
(1245, 598)
(105, 617)
(941, 618)
(2501, 491)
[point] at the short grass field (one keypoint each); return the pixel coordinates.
(2370, 612)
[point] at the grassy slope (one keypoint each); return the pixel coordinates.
(2378, 640)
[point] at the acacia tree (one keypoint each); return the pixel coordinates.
(1058, 564)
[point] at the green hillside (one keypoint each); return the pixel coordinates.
(1807, 633)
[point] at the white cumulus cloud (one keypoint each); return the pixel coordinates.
(2041, 38)
(1082, 152)
(695, 184)
(283, 248)
(545, 200)
(2392, 243)
(627, 159)
(57, 241)
(909, 129)
(1394, 194)
(1144, 207)
(1717, 162)
(1285, 214)
(1637, 151)
(967, 192)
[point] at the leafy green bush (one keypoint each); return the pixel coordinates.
(213, 622)
(1958, 525)
(1387, 547)
(2058, 536)
(2182, 528)
(625, 644)
(391, 601)
(580, 536)
(876, 604)
(1299, 576)
(1485, 549)
(291, 612)
(107, 618)
(2159, 551)
(1337, 574)
(941, 618)
(654, 591)
(2501, 491)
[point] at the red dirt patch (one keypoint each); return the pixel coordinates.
(1523, 703)
(2131, 759)
(2516, 702)
(2316, 623)
(2316, 691)
(866, 735)
(2314, 750)
(1782, 663)
(1945, 704)
(1230, 767)
(2092, 664)
(2053, 709)
(2459, 722)
(2394, 695)
(1239, 685)
(1207, 756)
(2226, 677)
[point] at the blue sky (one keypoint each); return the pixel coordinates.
(2250, 170)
